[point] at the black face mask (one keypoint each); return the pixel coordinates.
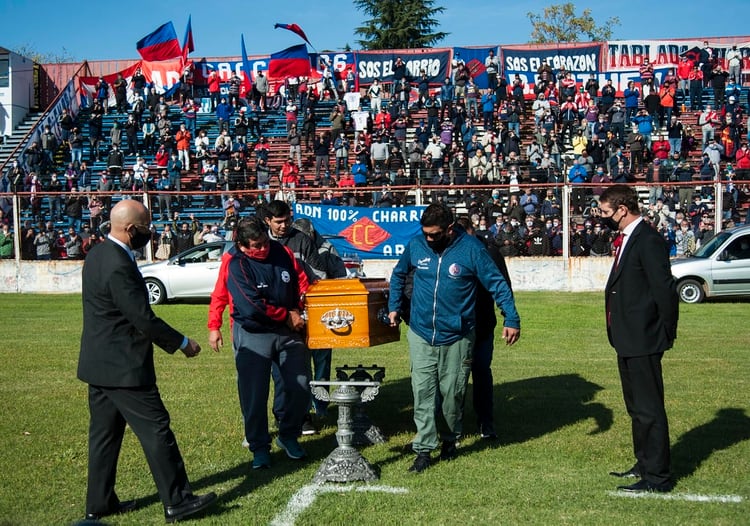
(139, 240)
(611, 223)
(439, 244)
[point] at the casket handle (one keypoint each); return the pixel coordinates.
(337, 319)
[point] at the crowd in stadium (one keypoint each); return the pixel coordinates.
(491, 154)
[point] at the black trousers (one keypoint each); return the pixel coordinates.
(643, 391)
(142, 409)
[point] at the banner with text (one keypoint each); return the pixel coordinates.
(524, 61)
(69, 100)
(379, 64)
(341, 62)
(623, 55)
(370, 233)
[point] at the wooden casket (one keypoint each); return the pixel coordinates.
(344, 313)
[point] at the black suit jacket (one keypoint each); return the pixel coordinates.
(118, 323)
(641, 297)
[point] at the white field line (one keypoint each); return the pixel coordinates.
(306, 495)
(688, 497)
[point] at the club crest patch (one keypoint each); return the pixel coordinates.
(454, 269)
(285, 277)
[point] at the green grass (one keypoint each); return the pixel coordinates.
(558, 410)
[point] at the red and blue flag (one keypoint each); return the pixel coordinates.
(188, 46)
(162, 44)
(291, 62)
(294, 28)
(247, 79)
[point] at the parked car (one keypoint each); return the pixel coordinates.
(192, 273)
(721, 267)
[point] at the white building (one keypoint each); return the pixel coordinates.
(16, 89)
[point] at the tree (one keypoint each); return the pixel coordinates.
(559, 23)
(399, 24)
(29, 51)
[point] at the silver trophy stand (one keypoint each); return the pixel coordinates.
(365, 432)
(345, 463)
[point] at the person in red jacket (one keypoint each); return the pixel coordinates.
(183, 138)
(162, 157)
(660, 148)
(683, 74)
(214, 89)
(742, 162)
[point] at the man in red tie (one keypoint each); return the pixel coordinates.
(642, 313)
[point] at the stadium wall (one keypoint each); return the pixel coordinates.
(527, 274)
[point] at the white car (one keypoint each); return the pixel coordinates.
(193, 273)
(190, 274)
(721, 267)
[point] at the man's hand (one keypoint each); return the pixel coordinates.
(295, 321)
(511, 335)
(215, 341)
(395, 318)
(192, 348)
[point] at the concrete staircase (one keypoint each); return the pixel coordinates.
(10, 142)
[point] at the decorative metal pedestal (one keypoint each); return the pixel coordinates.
(365, 432)
(345, 463)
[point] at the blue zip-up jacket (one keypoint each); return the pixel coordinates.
(263, 292)
(445, 287)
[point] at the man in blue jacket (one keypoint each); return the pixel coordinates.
(447, 264)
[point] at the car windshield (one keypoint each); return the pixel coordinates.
(709, 248)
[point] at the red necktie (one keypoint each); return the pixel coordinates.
(617, 243)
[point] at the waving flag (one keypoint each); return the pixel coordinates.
(291, 62)
(188, 46)
(247, 80)
(162, 44)
(294, 28)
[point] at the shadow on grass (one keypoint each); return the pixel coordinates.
(533, 407)
(729, 427)
(524, 410)
(243, 480)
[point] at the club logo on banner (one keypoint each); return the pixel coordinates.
(370, 233)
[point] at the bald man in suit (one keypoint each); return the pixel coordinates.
(117, 361)
(642, 312)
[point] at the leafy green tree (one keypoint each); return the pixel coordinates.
(559, 23)
(399, 24)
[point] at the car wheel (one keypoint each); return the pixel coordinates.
(690, 291)
(156, 292)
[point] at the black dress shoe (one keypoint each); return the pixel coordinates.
(190, 506)
(632, 473)
(125, 506)
(643, 486)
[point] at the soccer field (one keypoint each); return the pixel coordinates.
(558, 406)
